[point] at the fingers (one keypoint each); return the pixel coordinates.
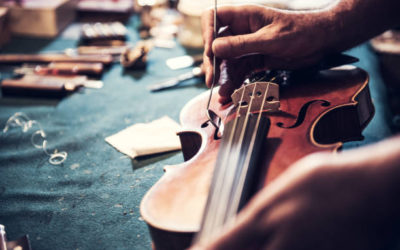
(207, 25)
(239, 45)
(208, 69)
(241, 20)
(228, 83)
(207, 22)
(234, 72)
(244, 23)
(232, 76)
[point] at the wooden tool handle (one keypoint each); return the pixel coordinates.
(76, 68)
(47, 58)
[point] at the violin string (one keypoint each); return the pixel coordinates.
(210, 222)
(234, 160)
(217, 207)
(240, 185)
(223, 197)
(219, 211)
(221, 170)
(225, 210)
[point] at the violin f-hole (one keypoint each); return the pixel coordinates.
(218, 130)
(302, 114)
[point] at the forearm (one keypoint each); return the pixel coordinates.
(283, 39)
(351, 22)
(326, 201)
(379, 166)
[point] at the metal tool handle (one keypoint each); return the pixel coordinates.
(196, 72)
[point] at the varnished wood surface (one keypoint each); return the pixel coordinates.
(174, 205)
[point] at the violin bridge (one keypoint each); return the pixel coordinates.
(257, 97)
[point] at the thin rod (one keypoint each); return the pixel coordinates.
(220, 175)
(233, 160)
(229, 161)
(214, 70)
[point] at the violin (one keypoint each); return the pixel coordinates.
(266, 128)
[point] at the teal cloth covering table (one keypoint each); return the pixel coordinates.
(92, 200)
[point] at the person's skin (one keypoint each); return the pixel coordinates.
(266, 38)
(347, 201)
(325, 201)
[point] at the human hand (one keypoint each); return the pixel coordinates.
(324, 201)
(260, 38)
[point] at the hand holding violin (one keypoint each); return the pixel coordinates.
(321, 202)
(325, 201)
(266, 38)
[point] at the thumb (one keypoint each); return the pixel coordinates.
(237, 46)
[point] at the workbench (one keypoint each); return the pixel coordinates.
(92, 200)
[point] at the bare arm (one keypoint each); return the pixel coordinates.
(345, 201)
(355, 21)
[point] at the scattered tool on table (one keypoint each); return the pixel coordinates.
(176, 81)
(46, 86)
(136, 58)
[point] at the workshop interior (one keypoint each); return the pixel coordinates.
(110, 137)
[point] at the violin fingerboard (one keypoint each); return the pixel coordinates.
(234, 172)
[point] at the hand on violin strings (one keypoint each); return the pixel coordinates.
(258, 38)
(325, 201)
(266, 38)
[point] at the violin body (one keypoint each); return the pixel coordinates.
(316, 114)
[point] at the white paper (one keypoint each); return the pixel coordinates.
(147, 138)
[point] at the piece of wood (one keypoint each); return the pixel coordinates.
(48, 58)
(136, 58)
(104, 11)
(4, 26)
(41, 18)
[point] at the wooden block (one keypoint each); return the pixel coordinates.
(4, 29)
(104, 11)
(41, 18)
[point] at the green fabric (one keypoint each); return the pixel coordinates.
(92, 200)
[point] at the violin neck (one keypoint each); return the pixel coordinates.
(233, 178)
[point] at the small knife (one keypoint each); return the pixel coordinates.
(195, 72)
